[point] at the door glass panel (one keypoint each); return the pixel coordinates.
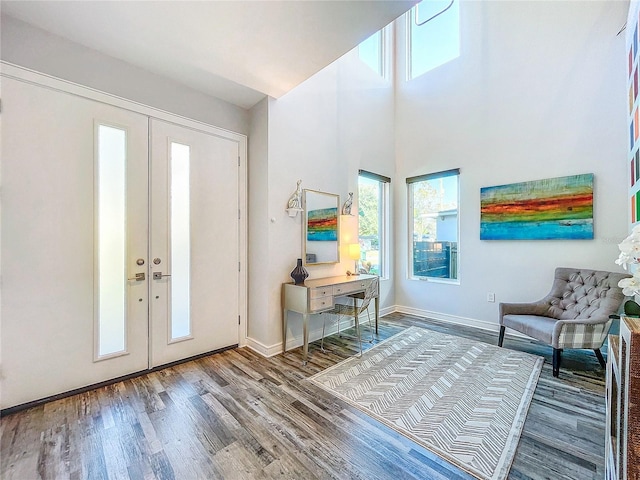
(180, 242)
(112, 276)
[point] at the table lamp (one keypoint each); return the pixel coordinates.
(354, 254)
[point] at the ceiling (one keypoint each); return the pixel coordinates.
(236, 50)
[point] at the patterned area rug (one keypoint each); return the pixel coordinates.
(463, 400)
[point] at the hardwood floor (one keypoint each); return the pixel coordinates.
(237, 415)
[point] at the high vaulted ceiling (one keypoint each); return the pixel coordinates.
(235, 50)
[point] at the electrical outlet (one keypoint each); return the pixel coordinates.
(491, 297)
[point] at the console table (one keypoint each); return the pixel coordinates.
(318, 295)
(622, 445)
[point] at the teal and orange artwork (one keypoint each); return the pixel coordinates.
(550, 209)
(322, 225)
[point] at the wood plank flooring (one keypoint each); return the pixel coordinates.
(237, 415)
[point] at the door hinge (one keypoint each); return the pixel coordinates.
(238, 319)
(238, 214)
(238, 160)
(239, 266)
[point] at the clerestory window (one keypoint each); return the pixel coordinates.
(375, 52)
(433, 35)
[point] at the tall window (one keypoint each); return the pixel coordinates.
(180, 241)
(373, 214)
(433, 225)
(433, 35)
(112, 240)
(374, 52)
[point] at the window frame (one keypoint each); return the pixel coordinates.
(383, 69)
(411, 23)
(410, 181)
(384, 195)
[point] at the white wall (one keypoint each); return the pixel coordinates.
(539, 91)
(321, 132)
(33, 48)
(259, 221)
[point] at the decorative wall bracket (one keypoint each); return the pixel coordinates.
(293, 211)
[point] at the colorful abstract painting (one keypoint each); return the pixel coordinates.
(550, 209)
(322, 225)
(632, 34)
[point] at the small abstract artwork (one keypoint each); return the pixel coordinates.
(550, 209)
(322, 225)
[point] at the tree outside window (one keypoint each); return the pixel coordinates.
(373, 199)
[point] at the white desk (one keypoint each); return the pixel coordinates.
(317, 296)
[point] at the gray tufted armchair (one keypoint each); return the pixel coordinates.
(575, 313)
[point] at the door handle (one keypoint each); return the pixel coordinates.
(139, 277)
(159, 275)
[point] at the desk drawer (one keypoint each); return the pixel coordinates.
(350, 287)
(321, 303)
(320, 292)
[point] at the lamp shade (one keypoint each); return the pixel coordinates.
(354, 251)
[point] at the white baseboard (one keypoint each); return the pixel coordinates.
(457, 320)
(262, 349)
(387, 310)
(294, 342)
(445, 317)
(316, 334)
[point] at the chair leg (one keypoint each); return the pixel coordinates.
(557, 359)
(358, 332)
(324, 321)
(501, 337)
(598, 353)
(370, 327)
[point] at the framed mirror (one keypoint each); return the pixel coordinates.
(321, 229)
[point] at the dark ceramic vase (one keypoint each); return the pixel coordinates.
(299, 273)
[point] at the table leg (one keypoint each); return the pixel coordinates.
(305, 334)
(284, 329)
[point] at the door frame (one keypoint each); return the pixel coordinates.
(16, 72)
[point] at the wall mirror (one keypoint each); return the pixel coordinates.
(320, 232)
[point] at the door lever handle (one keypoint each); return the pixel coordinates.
(139, 277)
(159, 275)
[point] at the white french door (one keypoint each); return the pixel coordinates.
(96, 200)
(194, 242)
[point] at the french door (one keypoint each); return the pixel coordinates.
(193, 243)
(119, 245)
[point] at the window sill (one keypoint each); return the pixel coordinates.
(449, 281)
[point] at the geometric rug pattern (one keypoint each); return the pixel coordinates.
(463, 400)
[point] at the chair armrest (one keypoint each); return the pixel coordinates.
(581, 332)
(584, 321)
(534, 308)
